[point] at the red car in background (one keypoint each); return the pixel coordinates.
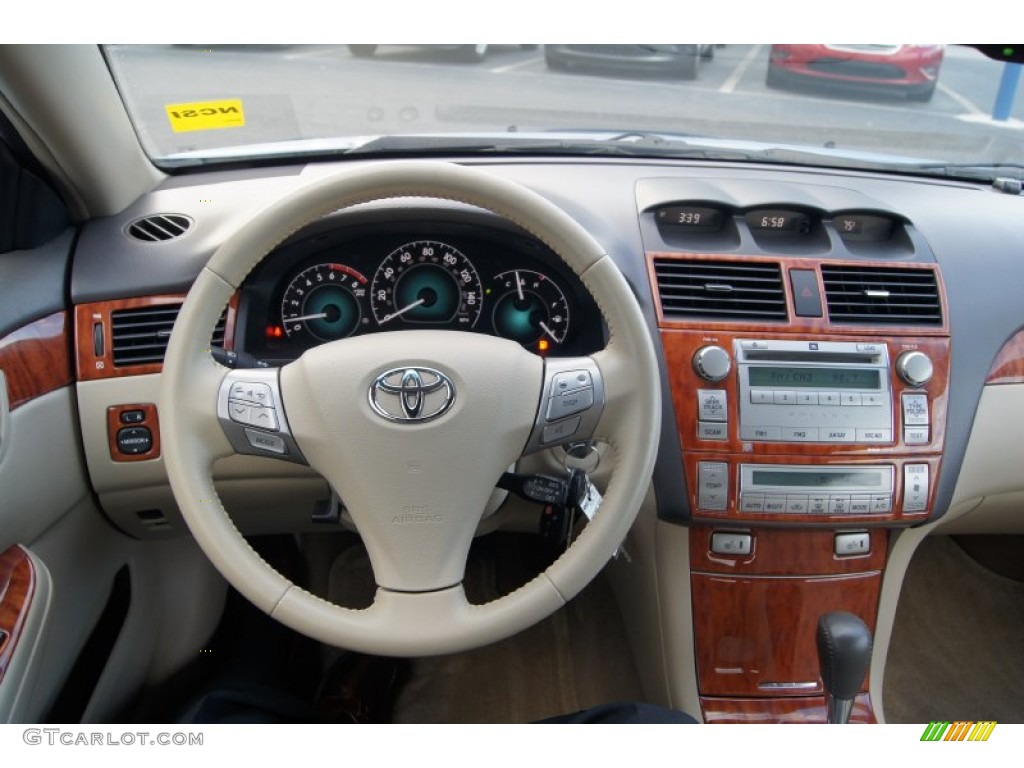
(909, 69)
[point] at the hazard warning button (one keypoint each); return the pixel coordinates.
(806, 297)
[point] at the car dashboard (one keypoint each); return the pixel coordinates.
(827, 339)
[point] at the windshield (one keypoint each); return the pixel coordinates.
(947, 110)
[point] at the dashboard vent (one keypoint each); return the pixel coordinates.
(882, 295)
(140, 335)
(159, 228)
(720, 290)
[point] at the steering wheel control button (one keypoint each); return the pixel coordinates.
(915, 487)
(248, 392)
(569, 403)
(560, 432)
(712, 405)
(852, 544)
(731, 543)
(266, 442)
(713, 486)
(132, 417)
(567, 382)
(134, 441)
(239, 412)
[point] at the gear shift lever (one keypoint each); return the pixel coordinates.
(844, 650)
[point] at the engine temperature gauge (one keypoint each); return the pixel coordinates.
(529, 308)
(324, 301)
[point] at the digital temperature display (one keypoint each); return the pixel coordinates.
(816, 378)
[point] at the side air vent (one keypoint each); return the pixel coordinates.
(158, 228)
(140, 335)
(882, 295)
(720, 290)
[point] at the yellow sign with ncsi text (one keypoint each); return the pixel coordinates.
(206, 115)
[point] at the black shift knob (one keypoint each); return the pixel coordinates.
(844, 651)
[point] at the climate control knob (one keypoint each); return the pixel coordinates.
(915, 368)
(712, 363)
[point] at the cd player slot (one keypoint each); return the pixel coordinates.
(811, 357)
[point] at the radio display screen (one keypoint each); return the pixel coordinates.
(817, 378)
(842, 479)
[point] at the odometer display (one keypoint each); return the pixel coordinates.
(426, 282)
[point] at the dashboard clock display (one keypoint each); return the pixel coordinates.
(779, 221)
(324, 301)
(426, 282)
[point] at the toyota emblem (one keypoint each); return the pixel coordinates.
(411, 394)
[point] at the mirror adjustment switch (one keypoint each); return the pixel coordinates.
(133, 441)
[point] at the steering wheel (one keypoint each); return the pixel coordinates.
(412, 428)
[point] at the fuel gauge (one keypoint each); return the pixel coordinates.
(529, 308)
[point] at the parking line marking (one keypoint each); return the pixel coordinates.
(963, 101)
(517, 65)
(741, 69)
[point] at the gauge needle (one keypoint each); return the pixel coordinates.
(548, 331)
(305, 317)
(519, 287)
(402, 311)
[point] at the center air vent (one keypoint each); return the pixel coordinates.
(158, 228)
(720, 290)
(140, 335)
(882, 295)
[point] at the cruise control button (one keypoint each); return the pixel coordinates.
(563, 430)
(133, 441)
(266, 442)
(568, 403)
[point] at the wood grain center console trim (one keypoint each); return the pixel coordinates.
(1008, 367)
(17, 586)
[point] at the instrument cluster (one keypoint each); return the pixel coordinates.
(333, 286)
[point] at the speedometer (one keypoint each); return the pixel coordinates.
(426, 282)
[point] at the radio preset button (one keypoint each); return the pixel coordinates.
(752, 502)
(873, 398)
(709, 430)
(851, 398)
(839, 504)
(785, 397)
(774, 505)
(762, 396)
(761, 433)
(712, 405)
(860, 505)
(915, 435)
(874, 435)
(829, 398)
(806, 398)
(800, 434)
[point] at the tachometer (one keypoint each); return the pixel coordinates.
(324, 301)
(530, 308)
(426, 282)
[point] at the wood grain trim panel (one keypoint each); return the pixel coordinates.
(17, 586)
(150, 420)
(796, 324)
(809, 709)
(777, 552)
(35, 360)
(1008, 367)
(92, 367)
(753, 631)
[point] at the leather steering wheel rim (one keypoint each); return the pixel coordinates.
(440, 620)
